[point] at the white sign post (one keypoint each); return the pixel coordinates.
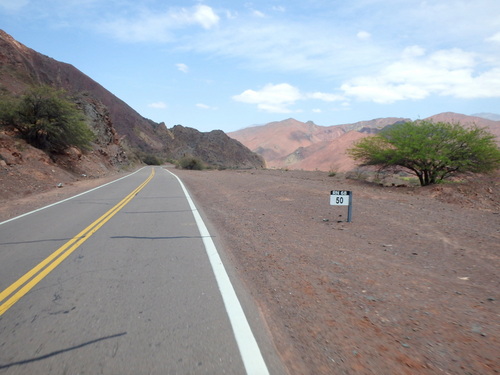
(342, 198)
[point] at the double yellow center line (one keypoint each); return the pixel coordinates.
(22, 286)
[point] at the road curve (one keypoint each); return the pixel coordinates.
(123, 280)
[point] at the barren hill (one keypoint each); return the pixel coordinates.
(297, 145)
(324, 155)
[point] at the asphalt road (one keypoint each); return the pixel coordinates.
(122, 280)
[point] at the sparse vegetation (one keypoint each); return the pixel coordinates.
(431, 151)
(152, 160)
(191, 162)
(47, 119)
(358, 174)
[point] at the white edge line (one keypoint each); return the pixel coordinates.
(249, 349)
(67, 199)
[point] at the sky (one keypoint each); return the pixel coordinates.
(226, 64)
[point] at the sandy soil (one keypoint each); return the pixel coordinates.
(411, 286)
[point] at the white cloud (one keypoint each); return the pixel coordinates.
(271, 98)
(484, 85)
(412, 52)
(204, 15)
(205, 106)
(323, 49)
(158, 26)
(279, 98)
(258, 13)
(363, 35)
(182, 67)
(494, 38)
(231, 14)
(157, 105)
(416, 75)
(451, 59)
(323, 44)
(383, 93)
(325, 96)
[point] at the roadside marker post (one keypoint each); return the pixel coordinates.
(342, 198)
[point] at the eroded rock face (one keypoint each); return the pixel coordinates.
(98, 120)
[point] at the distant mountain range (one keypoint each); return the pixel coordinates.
(297, 145)
(487, 116)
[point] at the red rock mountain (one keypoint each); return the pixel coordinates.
(22, 67)
(297, 145)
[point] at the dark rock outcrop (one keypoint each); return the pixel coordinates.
(214, 147)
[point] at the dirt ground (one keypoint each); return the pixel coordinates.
(410, 286)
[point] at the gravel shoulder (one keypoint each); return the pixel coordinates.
(411, 286)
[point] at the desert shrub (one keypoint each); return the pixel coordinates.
(152, 160)
(191, 162)
(47, 119)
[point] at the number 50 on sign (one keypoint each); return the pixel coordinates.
(340, 198)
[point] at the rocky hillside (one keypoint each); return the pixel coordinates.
(23, 67)
(297, 145)
(112, 120)
(215, 147)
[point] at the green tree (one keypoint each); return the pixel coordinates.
(49, 120)
(432, 151)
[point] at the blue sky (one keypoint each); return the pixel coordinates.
(226, 64)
